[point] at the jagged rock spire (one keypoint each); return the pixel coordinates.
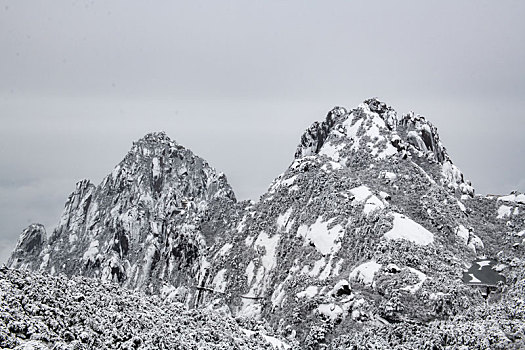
(28, 248)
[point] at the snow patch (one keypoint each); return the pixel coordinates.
(330, 151)
(309, 292)
(361, 193)
(250, 272)
(331, 311)
(365, 272)
(91, 252)
(405, 228)
(273, 341)
(318, 265)
(155, 168)
(249, 241)
(225, 249)
(372, 204)
(282, 221)
(289, 182)
(268, 260)
(324, 239)
(219, 282)
(337, 268)
(463, 234)
(516, 198)
(503, 211)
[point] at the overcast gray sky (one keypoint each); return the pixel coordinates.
(239, 81)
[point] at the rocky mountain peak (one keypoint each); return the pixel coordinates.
(372, 132)
(145, 221)
(30, 243)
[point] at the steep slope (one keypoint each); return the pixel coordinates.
(148, 221)
(370, 224)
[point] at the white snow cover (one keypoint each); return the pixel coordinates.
(270, 245)
(290, 181)
(225, 249)
(219, 282)
(503, 211)
(91, 252)
(389, 175)
(384, 195)
(250, 272)
(323, 238)
(468, 238)
(330, 151)
(361, 193)
(318, 265)
(242, 225)
(372, 204)
(249, 241)
(156, 167)
(463, 234)
(387, 152)
(351, 130)
(333, 165)
(483, 263)
(282, 221)
(274, 342)
(309, 292)
(365, 272)
(337, 268)
(461, 206)
(473, 279)
(405, 228)
(279, 294)
(517, 198)
(332, 311)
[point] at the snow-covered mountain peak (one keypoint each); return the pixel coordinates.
(30, 243)
(373, 133)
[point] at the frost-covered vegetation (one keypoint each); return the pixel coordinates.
(45, 312)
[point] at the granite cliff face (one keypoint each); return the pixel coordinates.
(369, 228)
(146, 222)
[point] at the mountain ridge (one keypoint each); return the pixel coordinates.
(371, 223)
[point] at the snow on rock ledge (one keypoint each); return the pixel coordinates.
(365, 272)
(406, 228)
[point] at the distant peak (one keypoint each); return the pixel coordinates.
(157, 136)
(29, 245)
(377, 106)
(152, 141)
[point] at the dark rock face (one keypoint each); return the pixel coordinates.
(314, 138)
(371, 225)
(28, 248)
